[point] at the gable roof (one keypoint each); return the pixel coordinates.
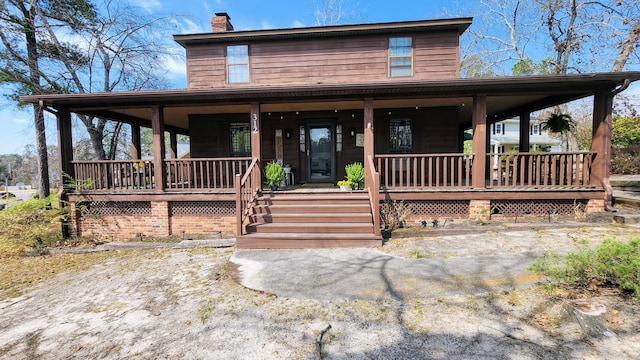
(387, 28)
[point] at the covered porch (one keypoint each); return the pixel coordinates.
(357, 121)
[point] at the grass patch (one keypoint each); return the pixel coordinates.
(613, 263)
(20, 273)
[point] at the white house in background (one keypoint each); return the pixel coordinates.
(505, 137)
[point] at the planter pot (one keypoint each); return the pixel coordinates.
(345, 188)
(287, 170)
(274, 187)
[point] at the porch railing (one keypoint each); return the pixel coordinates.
(540, 170)
(372, 178)
(247, 186)
(424, 170)
(215, 173)
(114, 175)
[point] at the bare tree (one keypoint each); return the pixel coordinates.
(29, 58)
(333, 12)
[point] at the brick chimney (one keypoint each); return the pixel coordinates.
(220, 22)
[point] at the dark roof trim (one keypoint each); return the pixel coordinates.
(572, 83)
(457, 24)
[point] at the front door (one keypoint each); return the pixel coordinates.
(321, 153)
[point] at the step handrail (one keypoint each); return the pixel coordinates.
(373, 179)
(247, 189)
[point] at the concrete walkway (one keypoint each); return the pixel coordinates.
(331, 274)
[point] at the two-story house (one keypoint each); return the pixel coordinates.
(388, 95)
(505, 137)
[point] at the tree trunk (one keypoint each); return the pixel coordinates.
(627, 48)
(41, 145)
(96, 141)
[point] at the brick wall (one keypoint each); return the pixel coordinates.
(595, 205)
(480, 210)
(159, 224)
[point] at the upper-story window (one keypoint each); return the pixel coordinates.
(400, 57)
(534, 129)
(498, 129)
(237, 64)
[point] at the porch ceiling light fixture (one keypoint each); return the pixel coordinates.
(352, 132)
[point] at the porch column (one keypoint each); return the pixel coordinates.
(479, 145)
(256, 127)
(173, 140)
(136, 152)
(368, 136)
(65, 146)
(157, 126)
(525, 122)
(601, 143)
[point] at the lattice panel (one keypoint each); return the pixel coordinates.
(113, 208)
(436, 207)
(537, 207)
(220, 208)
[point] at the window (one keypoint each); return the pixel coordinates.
(400, 139)
(237, 64)
(535, 129)
(240, 139)
(498, 129)
(400, 57)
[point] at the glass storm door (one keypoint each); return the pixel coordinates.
(321, 153)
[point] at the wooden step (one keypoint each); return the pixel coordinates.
(306, 241)
(312, 208)
(320, 217)
(314, 228)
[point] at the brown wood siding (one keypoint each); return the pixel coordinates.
(326, 60)
(210, 134)
(434, 130)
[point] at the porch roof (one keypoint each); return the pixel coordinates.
(506, 97)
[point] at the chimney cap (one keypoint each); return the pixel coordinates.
(223, 14)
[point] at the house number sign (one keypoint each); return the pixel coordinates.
(254, 117)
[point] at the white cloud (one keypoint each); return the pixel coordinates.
(20, 121)
(148, 5)
(187, 26)
(266, 25)
(298, 24)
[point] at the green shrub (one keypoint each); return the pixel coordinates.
(613, 263)
(355, 174)
(274, 174)
(30, 226)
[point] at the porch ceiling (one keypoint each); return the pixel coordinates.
(506, 97)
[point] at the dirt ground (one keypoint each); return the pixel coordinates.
(181, 304)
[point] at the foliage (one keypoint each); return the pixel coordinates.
(613, 263)
(274, 174)
(31, 225)
(355, 173)
(625, 160)
(344, 183)
(393, 214)
(625, 131)
(558, 123)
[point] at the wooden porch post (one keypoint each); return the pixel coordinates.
(256, 145)
(65, 146)
(173, 140)
(368, 135)
(157, 125)
(479, 145)
(601, 143)
(136, 148)
(525, 121)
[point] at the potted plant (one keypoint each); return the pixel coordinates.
(355, 174)
(274, 174)
(345, 185)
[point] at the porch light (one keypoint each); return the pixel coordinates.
(288, 133)
(352, 132)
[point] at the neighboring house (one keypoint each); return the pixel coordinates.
(505, 137)
(388, 95)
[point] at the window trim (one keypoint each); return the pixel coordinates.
(230, 64)
(390, 56)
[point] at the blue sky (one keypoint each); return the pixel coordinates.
(193, 16)
(16, 127)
